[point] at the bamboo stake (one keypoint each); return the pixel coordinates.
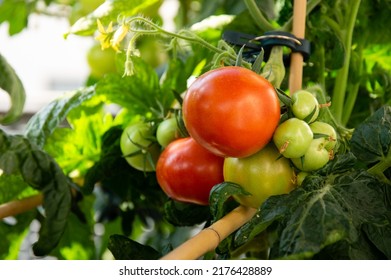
(298, 29)
(16, 207)
(209, 238)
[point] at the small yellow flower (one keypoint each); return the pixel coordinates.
(119, 35)
(105, 36)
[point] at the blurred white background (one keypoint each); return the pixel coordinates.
(48, 64)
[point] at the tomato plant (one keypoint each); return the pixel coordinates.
(262, 174)
(70, 151)
(187, 172)
(231, 111)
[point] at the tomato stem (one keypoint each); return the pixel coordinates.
(274, 69)
(185, 35)
(379, 168)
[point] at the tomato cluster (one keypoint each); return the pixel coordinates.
(302, 138)
(235, 134)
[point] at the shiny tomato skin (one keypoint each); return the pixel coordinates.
(231, 111)
(262, 174)
(187, 172)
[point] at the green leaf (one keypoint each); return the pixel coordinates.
(109, 11)
(140, 93)
(78, 147)
(11, 84)
(41, 172)
(371, 140)
(43, 123)
(221, 200)
(124, 248)
(185, 214)
(13, 235)
(16, 13)
(13, 187)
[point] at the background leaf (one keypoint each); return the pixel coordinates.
(12, 85)
(41, 172)
(375, 148)
(43, 123)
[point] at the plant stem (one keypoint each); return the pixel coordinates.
(379, 168)
(258, 17)
(274, 69)
(338, 96)
(353, 90)
(185, 35)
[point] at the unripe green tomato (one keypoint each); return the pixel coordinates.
(330, 140)
(293, 137)
(304, 104)
(315, 157)
(262, 174)
(101, 61)
(138, 147)
(167, 131)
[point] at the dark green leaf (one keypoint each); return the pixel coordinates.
(341, 163)
(371, 140)
(110, 159)
(43, 123)
(124, 248)
(284, 98)
(381, 238)
(41, 172)
(221, 200)
(185, 214)
(13, 187)
(11, 84)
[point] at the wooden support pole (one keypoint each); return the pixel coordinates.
(298, 29)
(16, 207)
(209, 238)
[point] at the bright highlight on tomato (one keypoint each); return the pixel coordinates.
(231, 111)
(187, 172)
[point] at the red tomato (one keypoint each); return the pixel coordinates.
(231, 111)
(187, 172)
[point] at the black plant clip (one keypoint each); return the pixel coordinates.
(254, 44)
